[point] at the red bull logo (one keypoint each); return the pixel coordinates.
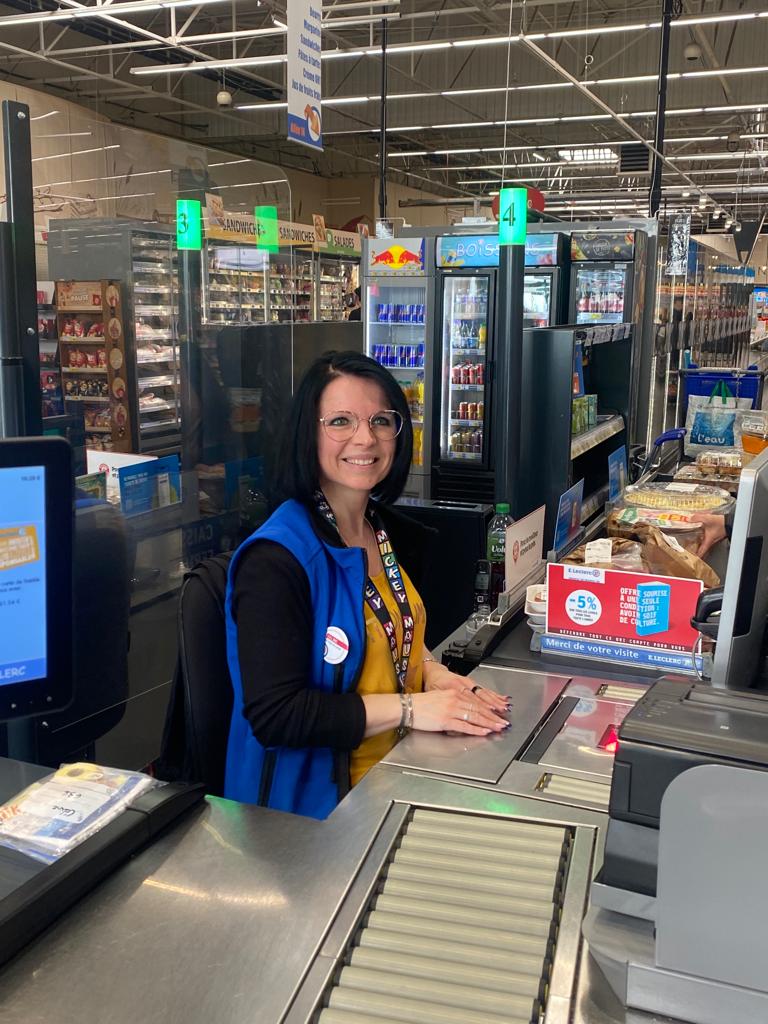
(397, 256)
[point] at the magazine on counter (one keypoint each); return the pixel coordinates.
(57, 813)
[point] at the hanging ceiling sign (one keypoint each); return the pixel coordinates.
(301, 235)
(513, 216)
(339, 243)
(222, 226)
(305, 124)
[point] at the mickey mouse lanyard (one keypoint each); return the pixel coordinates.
(374, 599)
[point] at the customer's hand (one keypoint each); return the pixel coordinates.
(440, 677)
(453, 710)
(714, 531)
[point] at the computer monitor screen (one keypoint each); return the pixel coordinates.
(745, 596)
(36, 520)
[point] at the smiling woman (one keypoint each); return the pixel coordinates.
(325, 625)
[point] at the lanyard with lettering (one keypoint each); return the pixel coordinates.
(375, 601)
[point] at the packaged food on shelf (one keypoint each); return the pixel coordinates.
(677, 497)
(591, 411)
(667, 552)
(579, 415)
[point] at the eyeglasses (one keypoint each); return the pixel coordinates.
(385, 424)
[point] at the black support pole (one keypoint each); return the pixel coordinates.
(654, 196)
(17, 149)
(383, 122)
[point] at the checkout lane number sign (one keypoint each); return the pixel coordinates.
(513, 216)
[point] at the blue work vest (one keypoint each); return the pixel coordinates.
(300, 780)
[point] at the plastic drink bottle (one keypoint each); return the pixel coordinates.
(496, 549)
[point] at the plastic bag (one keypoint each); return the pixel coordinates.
(56, 814)
(713, 422)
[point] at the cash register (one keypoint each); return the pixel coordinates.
(36, 677)
(679, 910)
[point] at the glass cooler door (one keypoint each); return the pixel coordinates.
(395, 336)
(465, 312)
(600, 292)
(537, 300)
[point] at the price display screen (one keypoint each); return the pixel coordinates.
(23, 582)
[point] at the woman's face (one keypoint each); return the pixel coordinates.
(364, 460)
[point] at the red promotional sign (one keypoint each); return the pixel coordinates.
(629, 608)
(536, 201)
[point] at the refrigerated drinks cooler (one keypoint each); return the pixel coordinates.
(602, 273)
(543, 283)
(398, 296)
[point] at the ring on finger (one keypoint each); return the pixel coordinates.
(466, 716)
(476, 688)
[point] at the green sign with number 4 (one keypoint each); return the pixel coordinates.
(513, 216)
(189, 224)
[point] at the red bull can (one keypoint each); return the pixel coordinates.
(412, 316)
(420, 352)
(388, 313)
(381, 312)
(402, 355)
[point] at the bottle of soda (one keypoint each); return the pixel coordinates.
(496, 549)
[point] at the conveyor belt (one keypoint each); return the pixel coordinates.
(462, 926)
(565, 787)
(615, 691)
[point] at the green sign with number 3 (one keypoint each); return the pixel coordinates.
(189, 224)
(513, 216)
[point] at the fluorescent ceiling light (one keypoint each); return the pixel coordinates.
(210, 65)
(588, 156)
(74, 152)
(111, 11)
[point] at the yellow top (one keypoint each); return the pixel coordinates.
(378, 675)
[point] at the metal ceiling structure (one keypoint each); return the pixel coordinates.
(546, 92)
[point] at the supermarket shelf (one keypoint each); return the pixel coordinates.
(470, 456)
(402, 369)
(84, 369)
(148, 428)
(161, 381)
(467, 387)
(156, 407)
(591, 438)
(395, 323)
(96, 310)
(593, 503)
(472, 351)
(98, 430)
(469, 316)
(70, 340)
(99, 399)
(467, 423)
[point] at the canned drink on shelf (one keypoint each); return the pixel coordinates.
(463, 411)
(411, 314)
(456, 374)
(481, 410)
(477, 442)
(481, 373)
(473, 373)
(465, 373)
(472, 411)
(381, 312)
(388, 313)
(412, 357)
(376, 353)
(420, 352)
(401, 359)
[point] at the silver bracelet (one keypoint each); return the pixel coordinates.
(409, 723)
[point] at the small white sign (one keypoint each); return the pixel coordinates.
(524, 547)
(598, 551)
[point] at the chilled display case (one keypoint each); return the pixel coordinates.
(397, 314)
(602, 277)
(141, 259)
(234, 284)
(467, 301)
(337, 279)
(545, 277)
(291, 287)
(537, 299)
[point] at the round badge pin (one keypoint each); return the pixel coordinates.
(336, 646)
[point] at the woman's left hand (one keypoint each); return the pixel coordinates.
(439, 677)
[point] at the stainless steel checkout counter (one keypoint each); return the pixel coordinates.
(449, 887)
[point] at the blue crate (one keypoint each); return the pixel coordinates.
(741, 383)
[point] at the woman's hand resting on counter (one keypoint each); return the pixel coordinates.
(451, 698)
